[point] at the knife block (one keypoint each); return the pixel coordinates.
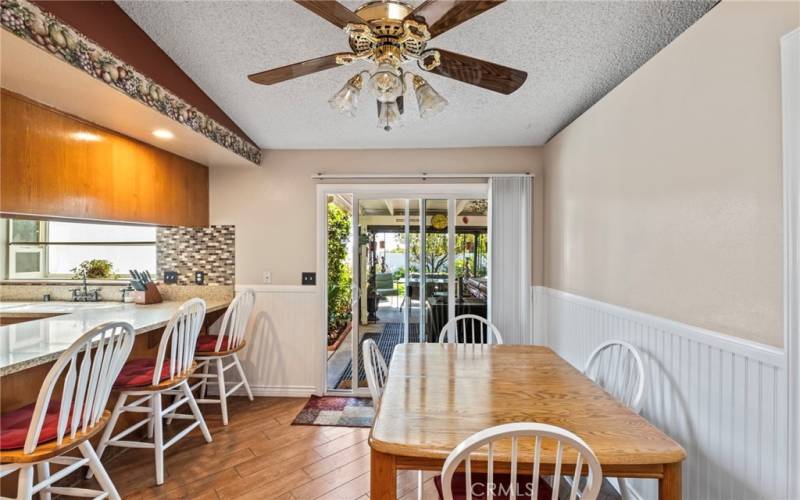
(149, 296)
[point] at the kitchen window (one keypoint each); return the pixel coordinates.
(51, 249)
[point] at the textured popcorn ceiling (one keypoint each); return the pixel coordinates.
(574, 53)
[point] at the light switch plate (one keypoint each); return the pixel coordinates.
(170, 277)
(309, 279)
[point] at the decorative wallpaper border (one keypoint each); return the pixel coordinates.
(49, 33)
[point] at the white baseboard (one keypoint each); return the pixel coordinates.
(272, 391)
(284, 392)
(721, 397)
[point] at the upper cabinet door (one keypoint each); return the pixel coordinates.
(55, 165)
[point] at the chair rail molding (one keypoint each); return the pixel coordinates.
(721, 397)
(790, 83)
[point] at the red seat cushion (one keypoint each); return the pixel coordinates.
(139, 372)
(502, 487)
(207, 343)
(14, 426)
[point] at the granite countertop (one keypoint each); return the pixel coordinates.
(38, 341)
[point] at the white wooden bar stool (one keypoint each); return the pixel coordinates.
(217, 350)
(42, 433)
(149, 379)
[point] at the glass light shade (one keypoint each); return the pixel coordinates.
(346, 100)
(389, 115)
(429, 101)
(386, 83)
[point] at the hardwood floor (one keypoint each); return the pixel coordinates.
(258, 455)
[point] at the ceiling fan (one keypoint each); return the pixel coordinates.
(390, 33)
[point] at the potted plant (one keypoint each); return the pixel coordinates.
(94, 269)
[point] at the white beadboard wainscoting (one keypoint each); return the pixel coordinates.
(282, 355)
(722, 398)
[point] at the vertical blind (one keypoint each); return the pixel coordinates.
(510, 255)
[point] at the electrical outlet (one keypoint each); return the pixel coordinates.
(267, 278)
(199, 277)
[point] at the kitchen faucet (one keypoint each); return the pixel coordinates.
(84, 294)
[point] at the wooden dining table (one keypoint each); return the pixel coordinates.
(436, 395)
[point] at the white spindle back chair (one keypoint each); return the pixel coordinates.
(617, 367)
(235, 320)
(178, 342)
(473, 328)
(233, 328)
(86, 370)
(180, 338)
(376, 369)
(377, 372)
(515, 432)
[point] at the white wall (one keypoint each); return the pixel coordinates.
(665, 196)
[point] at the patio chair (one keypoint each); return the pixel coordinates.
(385, 285)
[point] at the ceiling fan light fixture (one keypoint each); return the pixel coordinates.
(389, 115)
(386, 82)
(345, 100)
(429, 102)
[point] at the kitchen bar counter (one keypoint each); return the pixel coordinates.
(54, 326)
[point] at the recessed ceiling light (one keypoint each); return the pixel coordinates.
(85, 136)
(163, 134)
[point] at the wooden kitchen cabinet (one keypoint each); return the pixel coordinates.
(57, 166)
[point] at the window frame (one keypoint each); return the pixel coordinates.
(44, 245)
(14, 248)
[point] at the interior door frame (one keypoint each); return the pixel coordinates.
(450, 192)
(790, 83)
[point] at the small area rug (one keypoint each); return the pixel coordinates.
(336, 411)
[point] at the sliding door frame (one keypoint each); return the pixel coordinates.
(450, 192)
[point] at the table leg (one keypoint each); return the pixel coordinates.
(669, 486)
(383, 476)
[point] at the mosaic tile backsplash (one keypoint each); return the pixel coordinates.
(190, 249)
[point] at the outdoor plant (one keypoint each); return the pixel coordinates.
(339, 275)
(94, 269)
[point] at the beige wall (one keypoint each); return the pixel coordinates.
(274, 207)
(665, 197)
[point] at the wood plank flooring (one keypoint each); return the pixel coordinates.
(259, 455)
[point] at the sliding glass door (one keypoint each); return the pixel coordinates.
(413, 261)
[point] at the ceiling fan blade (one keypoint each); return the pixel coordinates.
(442, 15)
(295, 70)
(332, 11)
(483, 74)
